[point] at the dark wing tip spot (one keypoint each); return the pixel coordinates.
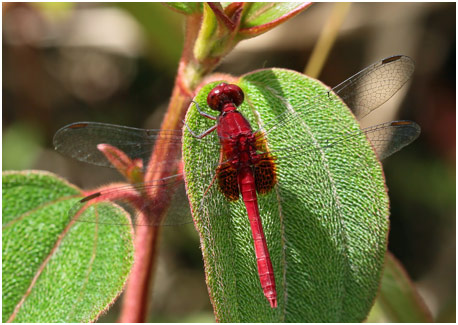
(77, 126)
(391, 59)
(90, 197)
(399, 123)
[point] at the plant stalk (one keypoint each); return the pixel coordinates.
(190, 74)
(327, 39)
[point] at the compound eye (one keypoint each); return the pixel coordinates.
(214, 98)
(224, 94)
(235, 93)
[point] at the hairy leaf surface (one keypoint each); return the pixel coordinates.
(55, 269)
(326, 221)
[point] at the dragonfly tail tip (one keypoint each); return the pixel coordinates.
(273, 302)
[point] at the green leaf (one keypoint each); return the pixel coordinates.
(398, 300)
(209, 34)
(55, 269)
(260, 17)
(326, 221)
(186, 8)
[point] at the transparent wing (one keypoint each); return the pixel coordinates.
(80, 140)
(363, 92)
(145, 209)
(373, 86)
(386, 139)
(390, 137)
(161, 202)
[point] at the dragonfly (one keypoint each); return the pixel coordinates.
(246, 166)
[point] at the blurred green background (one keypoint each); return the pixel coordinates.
(116, 63)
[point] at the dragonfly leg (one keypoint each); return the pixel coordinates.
(203, 134)
(211, 117)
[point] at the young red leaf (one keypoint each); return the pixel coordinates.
(130, 169)
(260, 17)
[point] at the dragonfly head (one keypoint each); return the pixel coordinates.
(224, 94)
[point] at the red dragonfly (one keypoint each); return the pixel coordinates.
(246, 166)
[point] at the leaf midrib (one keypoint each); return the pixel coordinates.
(37, 208)
(40, 271)
(343, 236)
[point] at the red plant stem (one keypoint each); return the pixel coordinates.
(135, 302)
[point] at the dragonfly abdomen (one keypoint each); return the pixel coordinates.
(265, 270)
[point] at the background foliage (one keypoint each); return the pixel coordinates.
(115, 63)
